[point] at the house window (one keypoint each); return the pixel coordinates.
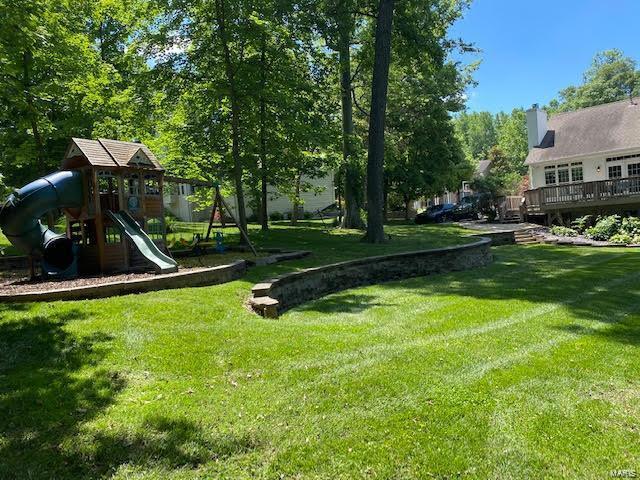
(633, 169)
(563, 173)
(623, 157)
(576, 172)
(615, 171)
(550, 175)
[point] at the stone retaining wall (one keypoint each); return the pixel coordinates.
(274, 296)
(503, 237)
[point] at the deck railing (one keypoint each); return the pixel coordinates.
(582, 193)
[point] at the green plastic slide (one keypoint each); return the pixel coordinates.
(149, 250)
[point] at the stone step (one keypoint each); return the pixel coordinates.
(261, 289)
(265, 306)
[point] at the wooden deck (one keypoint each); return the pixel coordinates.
(604, 193)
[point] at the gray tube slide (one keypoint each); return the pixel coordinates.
(21, 214)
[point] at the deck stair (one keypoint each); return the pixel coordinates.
(509, 210)
(511, 217)
(525, 237)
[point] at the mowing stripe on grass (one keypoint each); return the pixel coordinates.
(350, 360)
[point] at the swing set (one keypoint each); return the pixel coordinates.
(219, 207)
(217, 223)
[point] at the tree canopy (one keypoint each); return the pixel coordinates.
(249, 93)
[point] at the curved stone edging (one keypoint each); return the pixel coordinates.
(199, 278)
(272, 297)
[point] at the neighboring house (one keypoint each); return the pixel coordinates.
(177, 199)
(465, 189)
(586, 161)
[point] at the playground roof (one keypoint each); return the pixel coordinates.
(112, 153)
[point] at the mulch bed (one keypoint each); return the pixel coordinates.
(20, 283)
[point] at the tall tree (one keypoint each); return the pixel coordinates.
(612, 76)
(230, 60)
(375, 158)
(512, 140)
(67, 69)
(478, 131)
(259, 132)
(339, 21)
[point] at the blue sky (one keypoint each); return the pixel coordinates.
(532, 49)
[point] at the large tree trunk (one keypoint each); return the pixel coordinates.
(375, 160)
(352, 174)
(264, 215)
(235, 117)
(385, 209)
(295, 213)
(407, 206)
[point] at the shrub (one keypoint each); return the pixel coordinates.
(563, 231)
(621, 237)
(582, 223)
(170, 224)
(605, 228)
(276, 216)
(631, 225)
(307, 215)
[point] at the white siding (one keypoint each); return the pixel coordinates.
(176, 201)
(312, 201)
(590, 164)
(277, 203)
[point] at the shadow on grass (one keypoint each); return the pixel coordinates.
(162, 443)
(52, 383)
(624, 332)
(593, 284)
(343, 303)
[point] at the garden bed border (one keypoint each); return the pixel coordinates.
(190, 278)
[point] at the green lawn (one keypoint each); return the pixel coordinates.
(528, 368)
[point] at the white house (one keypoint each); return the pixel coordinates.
(177, 198)
(586, 161)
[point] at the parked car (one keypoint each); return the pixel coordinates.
(467, 209)
(435, 214)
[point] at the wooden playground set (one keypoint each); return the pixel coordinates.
(111, 194)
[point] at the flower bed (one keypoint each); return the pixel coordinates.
(601, 231)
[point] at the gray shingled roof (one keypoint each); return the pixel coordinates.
(113, 153)
(604, 128)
